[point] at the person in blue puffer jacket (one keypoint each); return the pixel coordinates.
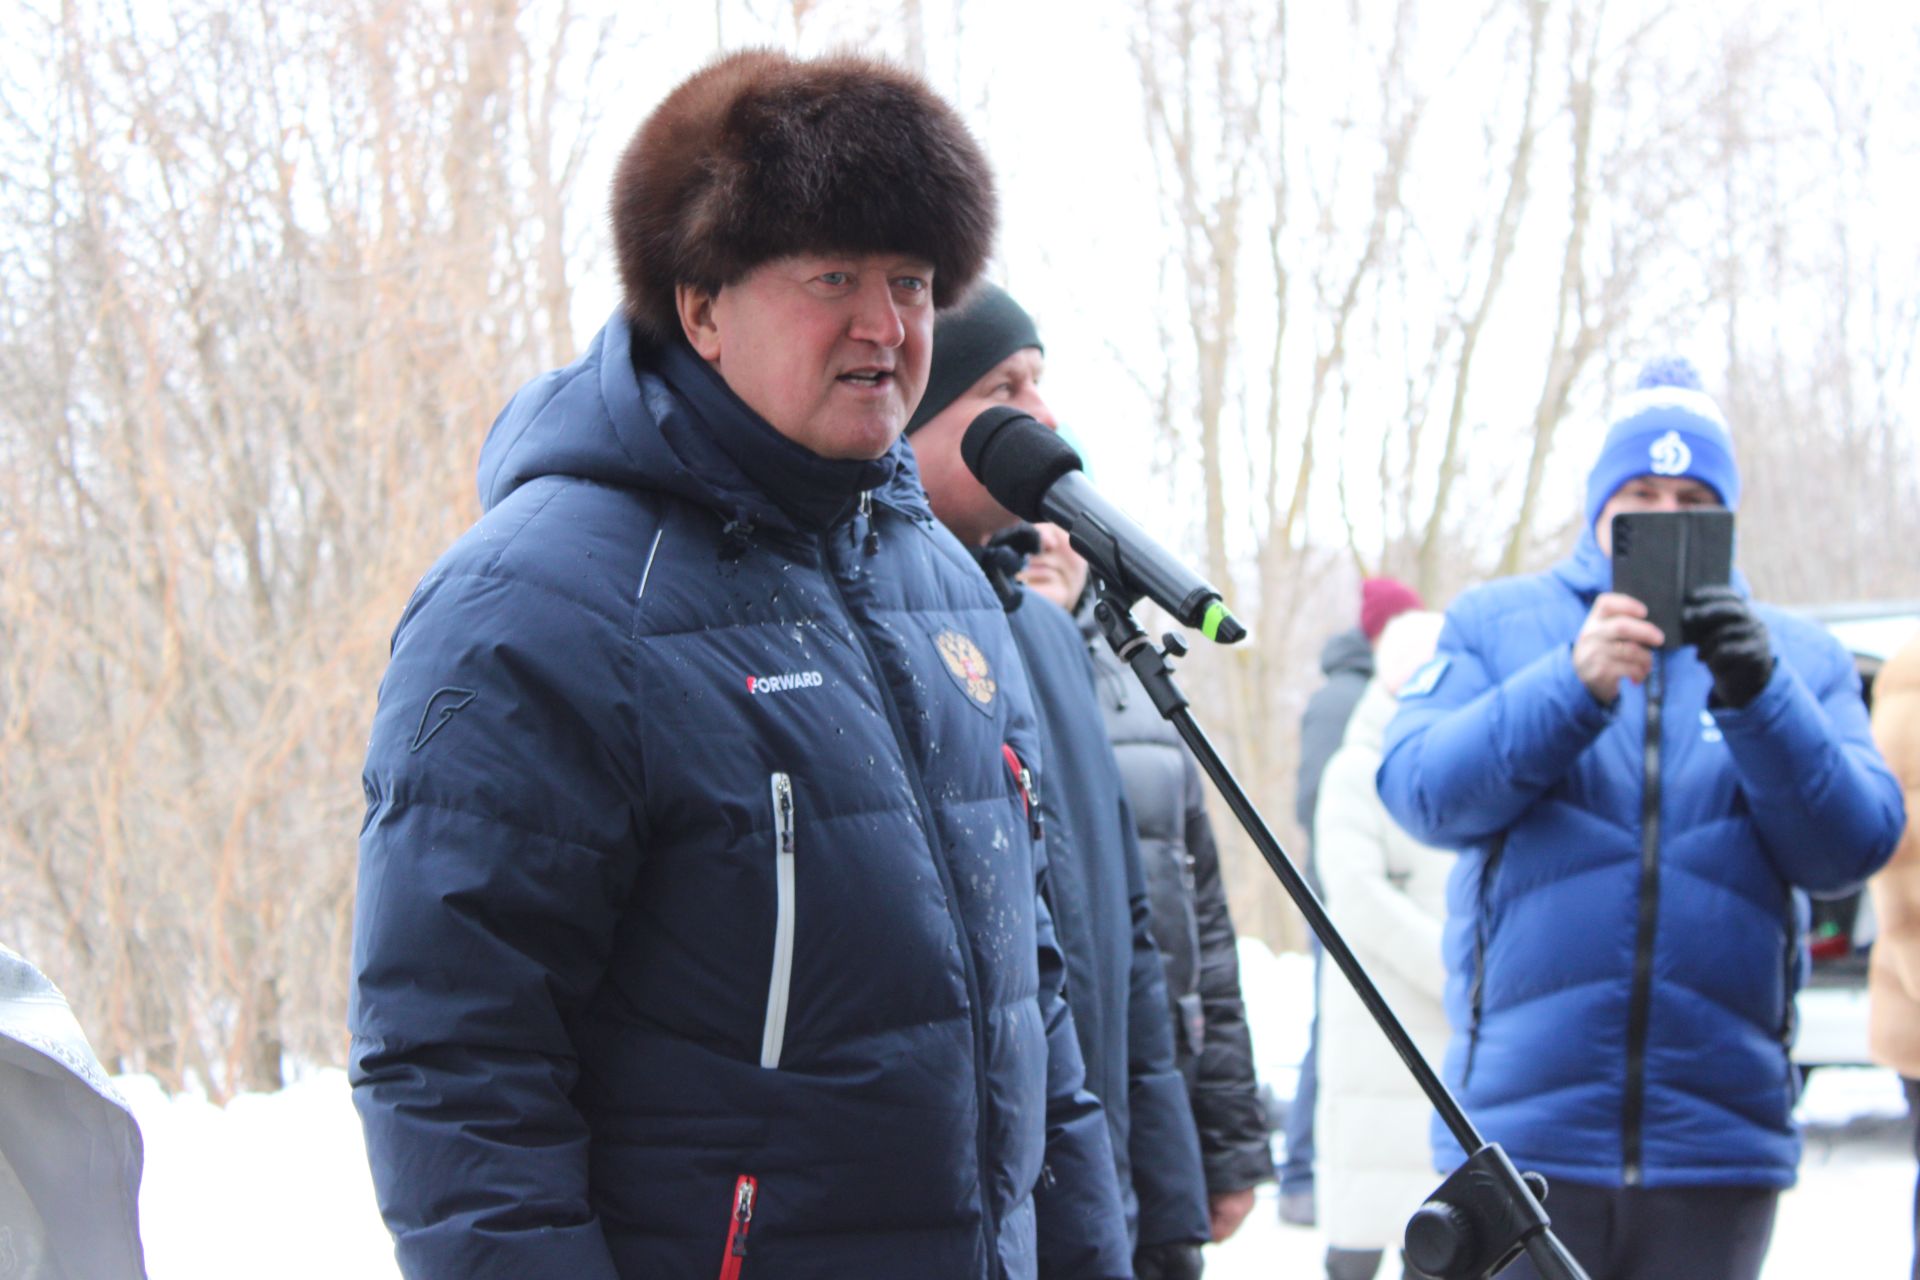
(698, 928)
(1638, 829)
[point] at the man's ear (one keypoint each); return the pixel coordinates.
(695, 306)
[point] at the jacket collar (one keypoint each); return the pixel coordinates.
(1588, 571)
(720, 434)
(659, 418)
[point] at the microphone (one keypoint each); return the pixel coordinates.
(1036, 475)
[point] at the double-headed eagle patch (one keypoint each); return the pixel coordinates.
(968, 666)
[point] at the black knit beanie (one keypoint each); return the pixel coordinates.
(968, 342)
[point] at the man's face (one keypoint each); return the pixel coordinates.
(959, 500)
(831, 349)
(1056, 571)
(1651, 493)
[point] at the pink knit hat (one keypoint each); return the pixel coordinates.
(1380, 600)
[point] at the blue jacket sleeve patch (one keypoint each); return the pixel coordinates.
(1426, 679)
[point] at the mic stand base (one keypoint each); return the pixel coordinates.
(1481, 1218)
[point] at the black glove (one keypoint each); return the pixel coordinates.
(1732, 642)
(1002, 559)
(1167, 1262)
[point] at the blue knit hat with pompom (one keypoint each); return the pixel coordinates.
(1666, 426)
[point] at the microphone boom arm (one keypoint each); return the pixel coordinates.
(1487, 1212)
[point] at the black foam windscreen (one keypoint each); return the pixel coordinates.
(1016, 458)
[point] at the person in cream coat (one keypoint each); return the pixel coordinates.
(1388, 894)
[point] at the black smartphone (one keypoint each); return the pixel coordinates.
(1660, 556)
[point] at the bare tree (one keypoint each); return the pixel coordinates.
(1820, 308)
(270, 273)
(1433, 196)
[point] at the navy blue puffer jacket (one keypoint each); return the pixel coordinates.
(1623, 937)
(697, 927)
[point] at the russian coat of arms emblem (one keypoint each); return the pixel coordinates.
(968, 665)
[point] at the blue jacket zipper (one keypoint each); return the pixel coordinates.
(1639, 1008)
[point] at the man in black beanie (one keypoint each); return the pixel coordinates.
(988, 353)
(698, 927)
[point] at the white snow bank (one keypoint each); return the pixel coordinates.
(277, 1184)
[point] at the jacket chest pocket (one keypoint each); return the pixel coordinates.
(773, 1033)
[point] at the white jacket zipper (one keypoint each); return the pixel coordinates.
(778, 986)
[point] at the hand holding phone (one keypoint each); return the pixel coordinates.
(1615, 643)
(1732, 642)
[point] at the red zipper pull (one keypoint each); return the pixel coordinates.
(743, 1193)
(1023, 779)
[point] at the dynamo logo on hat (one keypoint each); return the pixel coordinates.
(1669, 455)
(1666, 426)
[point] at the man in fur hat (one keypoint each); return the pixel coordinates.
(697, 928)
(1640, 823)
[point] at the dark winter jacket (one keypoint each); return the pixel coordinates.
(697, 921)
(1101, 917)
(1347, 661)
(1191, 923)
(1623, 936)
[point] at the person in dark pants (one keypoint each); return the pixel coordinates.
(1639, 823)
(1893, 973)
(1191, 923)
(1676, 1234)
(988, 353)
(1347, 662)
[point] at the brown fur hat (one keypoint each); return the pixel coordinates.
(759, 155)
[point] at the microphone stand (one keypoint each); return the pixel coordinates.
(1486, 1212)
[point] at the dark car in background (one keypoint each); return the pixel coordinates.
(1832, 1006)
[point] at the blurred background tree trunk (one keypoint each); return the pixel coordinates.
(276, 266)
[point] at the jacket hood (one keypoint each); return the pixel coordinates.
(1588, 571)
(1347, 652)
(637, 415)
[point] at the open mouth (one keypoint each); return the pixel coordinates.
(867, 378)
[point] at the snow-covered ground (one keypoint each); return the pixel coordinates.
(277, 1184)
(1851, 1214)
